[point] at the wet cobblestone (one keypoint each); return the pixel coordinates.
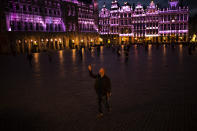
(154, 91)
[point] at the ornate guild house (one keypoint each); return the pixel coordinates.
(49, 24)
(136, 24)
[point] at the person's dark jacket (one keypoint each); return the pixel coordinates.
(102, 85)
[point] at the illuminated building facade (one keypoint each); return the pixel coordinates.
(80, 21)
(152, 23)
(137, 25)
(126, 27)
(139, 22)
(174, 22)
(104, 25)
(44, 16)
(52, 24)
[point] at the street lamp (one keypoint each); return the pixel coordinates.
(193, 38)
(108, 41)
(101, 40)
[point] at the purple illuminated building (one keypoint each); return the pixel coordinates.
(127, 24)
(52, 24)
(44, 16)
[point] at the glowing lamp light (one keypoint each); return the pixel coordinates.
(123, 39)
(55, 39)
(81, 40)
(35, 42)
(91, 40)
(108, 41)
(31, 40)
(100, 39)
(149, 46)
(9, 29)
(73, 41)
(47, 40)
(51, 40)
(193, 38)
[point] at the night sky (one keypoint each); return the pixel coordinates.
(162, 3)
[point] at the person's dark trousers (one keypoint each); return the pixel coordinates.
(103, 100)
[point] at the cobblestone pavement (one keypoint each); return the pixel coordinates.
(154, 91)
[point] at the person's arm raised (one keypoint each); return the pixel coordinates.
(91, 73)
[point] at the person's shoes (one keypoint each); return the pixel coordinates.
(100, 115)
